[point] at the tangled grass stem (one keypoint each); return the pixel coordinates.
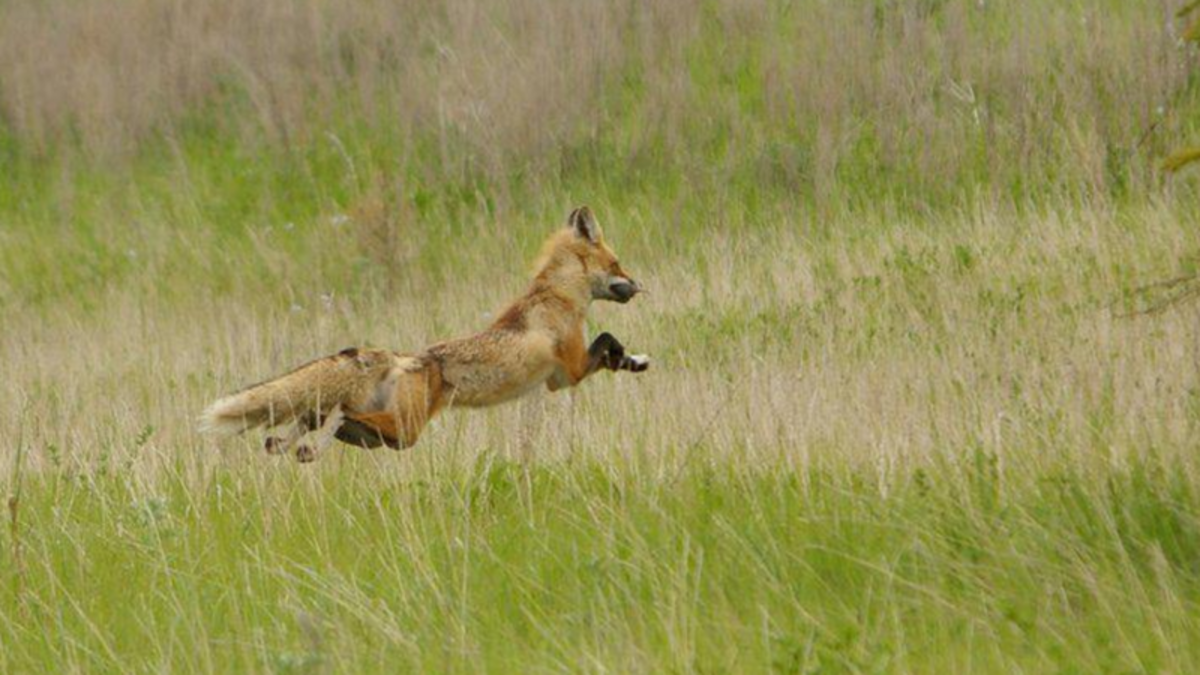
(1181, 289)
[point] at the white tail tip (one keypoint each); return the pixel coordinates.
(218, 419)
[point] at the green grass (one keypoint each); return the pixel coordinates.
(494, 565)
(898, 420)
(879, 446)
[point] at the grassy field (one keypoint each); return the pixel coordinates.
(906, 412)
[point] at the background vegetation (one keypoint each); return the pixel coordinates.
(900, 419)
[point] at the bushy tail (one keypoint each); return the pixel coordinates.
(312, 388)
(230, 415)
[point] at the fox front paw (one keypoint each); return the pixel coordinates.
(612, 352)
(635, 363)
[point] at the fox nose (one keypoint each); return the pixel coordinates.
(625, 289)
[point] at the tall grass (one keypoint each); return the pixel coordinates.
(898, 419)
(904, 446)
(1010, 94)
(140, 126)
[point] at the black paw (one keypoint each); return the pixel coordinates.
(614, 357)
(635, 363)
(608, 350)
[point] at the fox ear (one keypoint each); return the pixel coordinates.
(584, 223)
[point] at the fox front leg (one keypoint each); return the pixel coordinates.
(576, 363)
(608, 352)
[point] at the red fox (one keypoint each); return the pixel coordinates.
(374, 397)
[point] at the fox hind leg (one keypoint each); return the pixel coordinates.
(416, 399)
(395, 430)
(282, 445)
(357, 432)
(322, 437)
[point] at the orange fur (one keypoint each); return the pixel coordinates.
(389, 398)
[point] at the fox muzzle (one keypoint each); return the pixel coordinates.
(624, 290)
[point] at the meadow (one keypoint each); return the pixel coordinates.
(917, 403)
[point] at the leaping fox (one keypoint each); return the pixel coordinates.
(373, 397)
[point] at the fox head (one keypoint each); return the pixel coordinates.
(577, 258)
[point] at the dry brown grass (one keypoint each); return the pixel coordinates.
(886, 344)
(114, 73)
(937, 89)
(904, 429)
